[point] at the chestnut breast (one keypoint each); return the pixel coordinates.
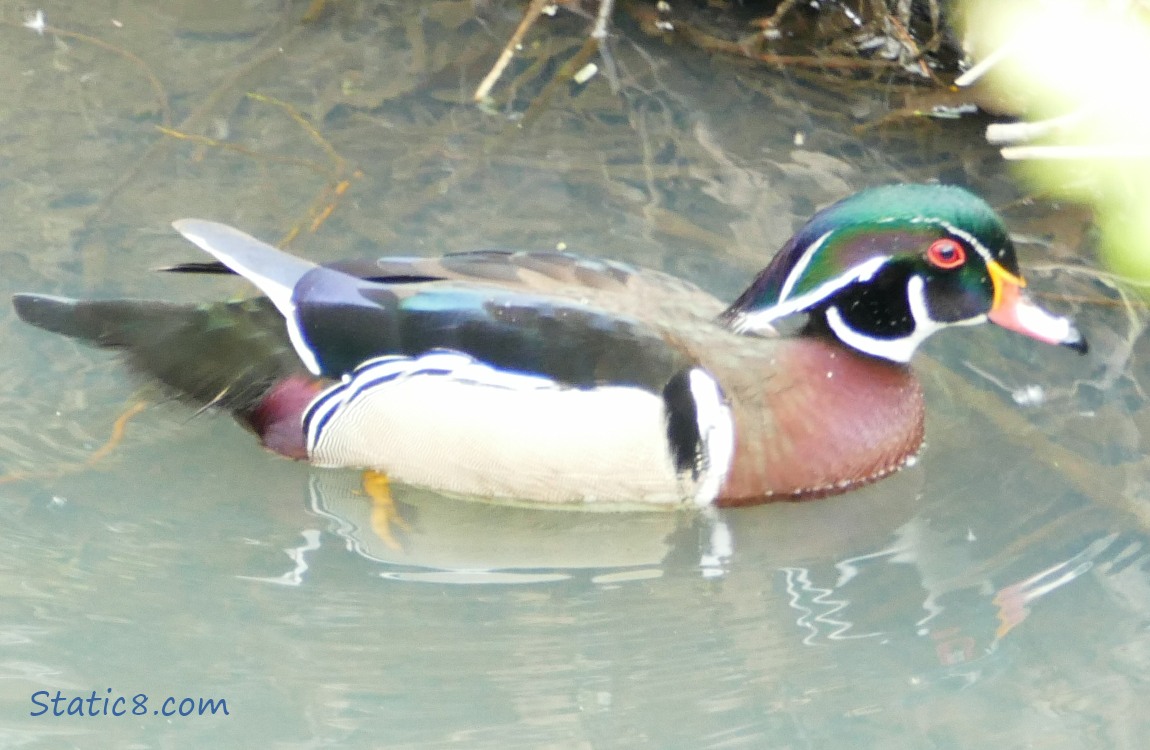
(813, 418)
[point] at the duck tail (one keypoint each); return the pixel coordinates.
(228, 354)
(105, 323)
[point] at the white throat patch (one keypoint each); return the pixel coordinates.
(900, 349)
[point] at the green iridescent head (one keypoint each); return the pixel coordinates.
(887, 267)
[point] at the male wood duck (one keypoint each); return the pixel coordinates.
(552, 378)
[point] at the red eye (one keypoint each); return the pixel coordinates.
(946, 253)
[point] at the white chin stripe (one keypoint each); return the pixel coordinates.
(900, 349)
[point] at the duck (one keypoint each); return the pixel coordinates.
(569, 381)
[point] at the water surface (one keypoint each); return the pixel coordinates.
(997, 594)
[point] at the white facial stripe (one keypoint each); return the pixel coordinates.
(896, 350)
(916, 296)
(761, 319)
(970, 238)
(716, 432)
(801, 267)
(901, 349)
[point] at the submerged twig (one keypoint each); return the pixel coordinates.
(565, 73)
(770, 26)
(189, 123)
(533, 12)
(204, 140)
(340, 176)
(38, 25)
(602, 20)
(119, 429)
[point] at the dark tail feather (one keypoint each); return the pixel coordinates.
(227, 354)
(210, 266)
(106, 323)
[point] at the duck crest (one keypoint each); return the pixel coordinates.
(848, 242)
(885, 269)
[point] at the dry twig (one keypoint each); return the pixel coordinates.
(533, 12)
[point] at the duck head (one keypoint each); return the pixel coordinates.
(885, 268)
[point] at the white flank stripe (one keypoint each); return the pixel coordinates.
(449, 422)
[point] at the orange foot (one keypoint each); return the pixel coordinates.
(384, 515)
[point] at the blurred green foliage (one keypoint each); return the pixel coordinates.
(1084, 62)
